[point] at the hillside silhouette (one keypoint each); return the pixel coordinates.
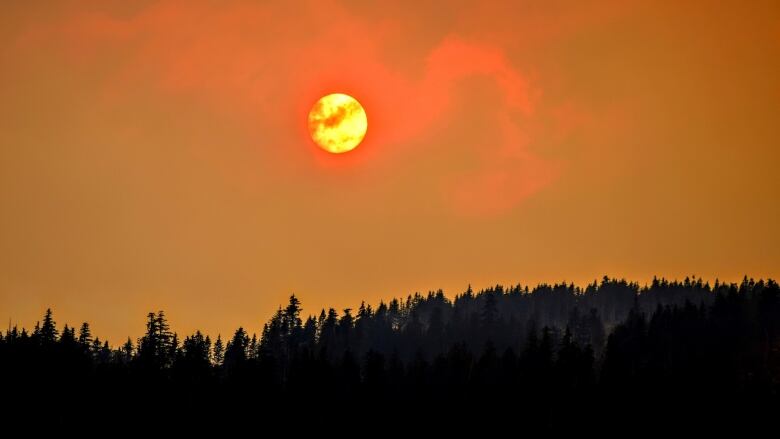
(556, 357)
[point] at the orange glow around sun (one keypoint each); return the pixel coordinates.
(337, 123)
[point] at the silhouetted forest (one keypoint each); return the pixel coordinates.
(558, 357)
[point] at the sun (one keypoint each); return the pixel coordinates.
(337, 123)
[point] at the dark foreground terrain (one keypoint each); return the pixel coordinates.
(608, 357)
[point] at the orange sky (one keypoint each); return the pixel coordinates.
(155, 155)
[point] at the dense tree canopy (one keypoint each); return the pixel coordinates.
(555, 356)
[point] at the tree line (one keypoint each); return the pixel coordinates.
(556, 356)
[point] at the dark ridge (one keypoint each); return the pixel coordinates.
(557, 357)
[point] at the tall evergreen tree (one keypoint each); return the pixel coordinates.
(48, 330)
(219, 352)
(85, 335)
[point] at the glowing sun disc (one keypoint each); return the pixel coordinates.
(337, 123)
